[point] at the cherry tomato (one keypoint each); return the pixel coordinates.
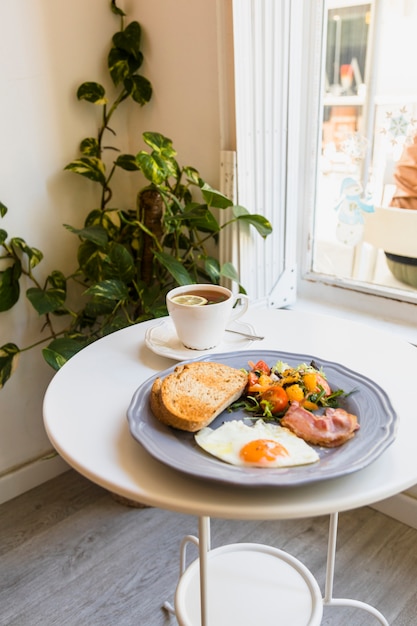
(252, 382)
(261, 366)
(276, 399)
(252, 378)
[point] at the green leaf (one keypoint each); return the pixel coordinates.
(45, 301)
(59, 351)
(192, 175)
(96, 234)
(90, 147)
(9, 286)
(95, 308)
(153, 167)
(239, 210)
(91, 260)
(139, 88)
(228, 270)
(3, 209)
(34, 255)
(174, 267)
(214, 198)
(118, 66)
(160, 144)
(122, 263)
(127, 162)
(90, 167)
(125, 57)
(9, 356)
(212, 267)
(262, 225)
(3, 236)
(121, 65)
(92, 92)
(111, 289)
(110, 220)
(115, 9)
(201, 218)
(129, 39)
(57, 281)
(51, 298)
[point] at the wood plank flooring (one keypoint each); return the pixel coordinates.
(71, 555)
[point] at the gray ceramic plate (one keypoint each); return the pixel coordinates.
(178, 450)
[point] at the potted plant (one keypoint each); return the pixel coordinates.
(127, 259)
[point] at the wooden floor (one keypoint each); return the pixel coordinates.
(71, 555)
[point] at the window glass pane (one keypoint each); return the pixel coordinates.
(367, 154)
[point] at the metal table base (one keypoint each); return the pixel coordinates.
(203, 543)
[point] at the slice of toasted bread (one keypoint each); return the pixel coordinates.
(194, 394)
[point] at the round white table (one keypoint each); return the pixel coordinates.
(85, 417)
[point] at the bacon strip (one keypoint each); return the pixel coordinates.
(332, 429)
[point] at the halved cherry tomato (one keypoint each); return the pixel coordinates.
(260, 366)
(252, 379)
(275, 398)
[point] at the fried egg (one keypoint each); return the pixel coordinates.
(260, 445)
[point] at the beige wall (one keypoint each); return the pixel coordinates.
(47, 48)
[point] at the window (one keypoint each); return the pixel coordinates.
(367, 112)
(293, 116)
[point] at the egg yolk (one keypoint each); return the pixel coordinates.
(262, 451)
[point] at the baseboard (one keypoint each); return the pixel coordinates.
(401, 507)
(30, 476)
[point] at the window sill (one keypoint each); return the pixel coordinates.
(406, 331)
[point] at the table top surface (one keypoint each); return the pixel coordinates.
(86, 403)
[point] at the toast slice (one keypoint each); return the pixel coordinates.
(194, 394)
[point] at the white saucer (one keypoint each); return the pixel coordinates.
(162, 339)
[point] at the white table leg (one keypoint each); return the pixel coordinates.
(203, 542)
(328, 599)
(331, 557)
(204, 547)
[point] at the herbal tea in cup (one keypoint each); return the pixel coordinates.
(201, 312)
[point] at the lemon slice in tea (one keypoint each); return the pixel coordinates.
(190, 300)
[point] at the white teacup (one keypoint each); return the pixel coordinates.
(201, 312)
